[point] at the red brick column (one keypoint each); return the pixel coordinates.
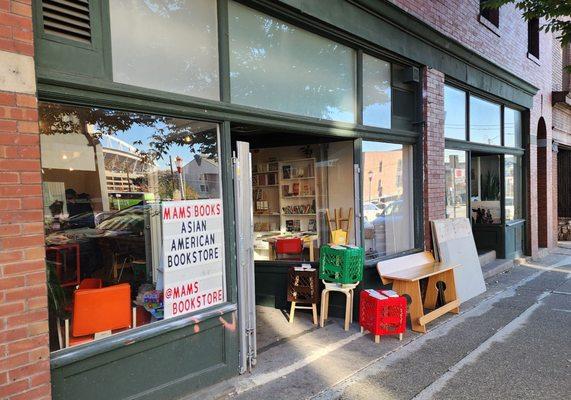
(433, 150)
(24, 347)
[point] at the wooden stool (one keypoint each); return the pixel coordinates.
(303, 287)
(348, 290)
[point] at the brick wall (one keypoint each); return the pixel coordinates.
(506, 47)
(24, 351)
(434, 191)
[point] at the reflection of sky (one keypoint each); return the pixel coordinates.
(144, 134)
(379, 146)
(377, 114)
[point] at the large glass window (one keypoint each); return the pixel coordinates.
(170, 46)
(514, 192)
(376, 92)
(105, 175)
(454, 113)
(297, 193)
(456, 183)
(512, 127)
(387, 198)
(485, 125)
(485, 190)
(277, 66)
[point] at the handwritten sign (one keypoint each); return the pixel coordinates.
(193, 255)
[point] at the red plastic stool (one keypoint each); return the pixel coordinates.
(382, 316)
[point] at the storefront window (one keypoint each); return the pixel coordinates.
(376, 92)
(170, 46)
(277, 66)
(512, 127)
(485, 189)
(514, 193)
(485, 125)
(105, 175)
(387, 198)
(454, 113)
(456, 183)
(295, 189)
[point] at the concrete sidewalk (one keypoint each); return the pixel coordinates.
(330, 363)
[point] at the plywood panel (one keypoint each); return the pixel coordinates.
(456, 246)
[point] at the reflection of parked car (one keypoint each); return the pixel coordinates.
(120, 234)
(371, 211)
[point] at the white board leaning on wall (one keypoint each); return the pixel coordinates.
(454, 243)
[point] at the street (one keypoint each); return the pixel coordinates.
(511, 342)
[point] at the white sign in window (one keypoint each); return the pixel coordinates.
(193, 255)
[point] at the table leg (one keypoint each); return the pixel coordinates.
(291, 312)
(431, 292)
(450, 291)
(415, 308)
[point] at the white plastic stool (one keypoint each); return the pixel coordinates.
(348, 290)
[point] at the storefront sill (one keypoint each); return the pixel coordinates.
(75, 354)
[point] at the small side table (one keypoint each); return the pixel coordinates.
(303, 288)
(61, 252)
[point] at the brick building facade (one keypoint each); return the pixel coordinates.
(24, 352)
(24, 347)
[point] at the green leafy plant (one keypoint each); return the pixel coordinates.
(555, 13)
(56, 295)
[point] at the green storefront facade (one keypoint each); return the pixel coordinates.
(174, 357)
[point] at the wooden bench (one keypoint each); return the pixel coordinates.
(405, 274)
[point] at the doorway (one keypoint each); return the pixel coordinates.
(299, 182)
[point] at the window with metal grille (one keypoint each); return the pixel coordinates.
(491, 14)
(533, 37)
(67, 18)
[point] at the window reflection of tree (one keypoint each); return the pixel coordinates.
(258, 44)
(189, 72)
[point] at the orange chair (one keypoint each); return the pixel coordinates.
(90, 283)
(289, 249)
(98, 313)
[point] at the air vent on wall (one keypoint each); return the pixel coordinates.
(67, 18)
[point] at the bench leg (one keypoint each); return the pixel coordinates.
(450, 291)
(291, 312)
(415, 307)
(377, 339)
(431, 292)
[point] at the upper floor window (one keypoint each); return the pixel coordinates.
(491, 14)
(454, 113)
(485, 125)
(533, 37)
(153, 50)
(277, 66)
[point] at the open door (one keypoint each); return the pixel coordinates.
(245, 255)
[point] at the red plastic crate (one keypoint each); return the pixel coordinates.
(382, 317)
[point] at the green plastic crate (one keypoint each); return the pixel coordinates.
(341, 264)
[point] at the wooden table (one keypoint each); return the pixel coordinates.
(308, 243)
(405, 274)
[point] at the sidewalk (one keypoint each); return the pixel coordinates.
(330, 363)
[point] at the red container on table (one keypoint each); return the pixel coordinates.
(385, 316)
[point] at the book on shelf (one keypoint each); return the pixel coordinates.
(285, 191)
(311, 225)
(295, 190)
(263, 180)
(272, 178)
(255, 180)
(286, 171)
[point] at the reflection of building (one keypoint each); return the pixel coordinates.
(383, 171)
(124, 169)
(201, 176)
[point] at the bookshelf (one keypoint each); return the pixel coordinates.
(285, 196)
(298, 195)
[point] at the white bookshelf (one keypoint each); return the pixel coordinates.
(298, 195)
